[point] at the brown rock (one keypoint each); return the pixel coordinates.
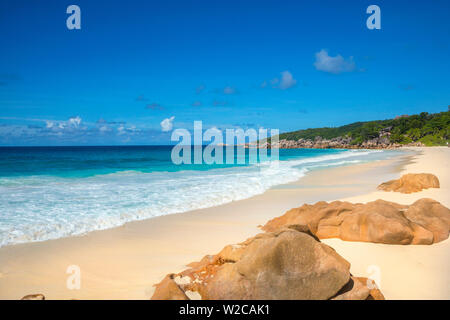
(291, 265)
(379, 221)
(375, 294)
(359, 288)
(432, 216)
(374, 291)
(353, 290)
(411, 182)
(287, 264)
(168, 289)
(424, 222)
(421, 235)
(37, 296)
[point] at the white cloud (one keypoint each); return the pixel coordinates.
(104, 128)
(167, 124)
(287, 80)
(61, 132)
(74, 121)
(335, 65)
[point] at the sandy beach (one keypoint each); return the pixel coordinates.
(409, 271)
(125, 262)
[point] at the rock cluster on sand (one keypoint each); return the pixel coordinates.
(411, 182)
(424, 222)
(287, 264)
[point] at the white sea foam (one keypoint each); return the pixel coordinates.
(39, 208)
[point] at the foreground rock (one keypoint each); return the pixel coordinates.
(411, 182)
(288, 264)
(424, 222)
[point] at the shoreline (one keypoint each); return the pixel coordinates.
(46, 205)
(124, 262)
(41, 235)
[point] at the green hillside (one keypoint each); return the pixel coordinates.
(430, 129)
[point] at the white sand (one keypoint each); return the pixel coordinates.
(410, 271)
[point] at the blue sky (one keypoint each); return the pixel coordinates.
(287, 65)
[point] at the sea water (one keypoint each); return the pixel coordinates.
(52, 192)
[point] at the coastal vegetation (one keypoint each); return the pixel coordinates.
(430, 129)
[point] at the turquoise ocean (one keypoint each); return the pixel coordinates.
(52, 192)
